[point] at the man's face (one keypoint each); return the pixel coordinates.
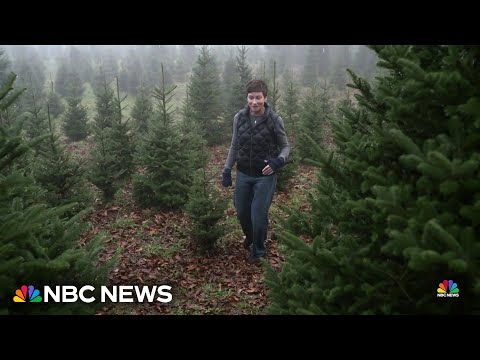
(256, 102)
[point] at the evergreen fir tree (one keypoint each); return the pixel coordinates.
(192, 135)
(180, 70)
(75, 118)
(312, 120)
(205, 207)
(166, 177)
(205, 97)
(396, 207)
(105, 105)
(59, 174)
(277, 54)
(155, 58)
(31, 74)
(98, 81)
(339, 77)
(80, 61)
(323, 60)
(62, 78)
(274, 95)
(134, 69)
(142, 110)
(286, 174)
(310, 70)
(120, 143)
(8, 113)
(105, 170)
(133, 73)
(36, 119)
(55, 102)
(264, 74)
(289, 109)
(228, 79)
(109, 66)
(243, 74)
(38, 246)
(4, 66)
(341, 60)
(188, 53)
(365, 61)
(325, 99)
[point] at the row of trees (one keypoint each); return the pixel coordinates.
(394, 212)
(396, 209)
(153, 149)
(45, 192)
(40, 224)
(139, 65)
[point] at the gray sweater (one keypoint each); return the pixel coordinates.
(282, 142)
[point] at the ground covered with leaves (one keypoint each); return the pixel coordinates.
(155, 249)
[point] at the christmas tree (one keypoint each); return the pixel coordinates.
(166, 173)
(205, 208)
(76, 116)
(38, 246)
(58, 173)
(396, 207)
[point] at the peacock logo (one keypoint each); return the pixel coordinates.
(448, 288)
(27, 294)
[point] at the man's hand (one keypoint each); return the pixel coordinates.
(227, 178)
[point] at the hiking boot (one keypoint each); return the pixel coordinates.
(253, 260)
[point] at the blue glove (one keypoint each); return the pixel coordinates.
(227, 178)
(276, 163)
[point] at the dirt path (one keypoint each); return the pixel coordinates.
(155, 250)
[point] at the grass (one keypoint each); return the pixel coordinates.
(123, 223)
(107, 237)
(147, 223)
(233, 231)
(164, 251)
(212, 292)
(250, 309)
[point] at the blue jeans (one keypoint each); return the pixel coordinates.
(252, 199)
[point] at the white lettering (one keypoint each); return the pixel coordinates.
(453, 295)
(125, 290)
(164, 293)
(111, 295)
(132, 293)
(448, 295)
(69, 290)
(82, 290)
(145, 291)
(49, 292)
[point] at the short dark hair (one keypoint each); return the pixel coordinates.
(257, 86)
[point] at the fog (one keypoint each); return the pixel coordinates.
(134, 64)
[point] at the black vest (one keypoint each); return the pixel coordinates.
(256, 143)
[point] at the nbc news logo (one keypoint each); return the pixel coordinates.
(70, 293)
(448, 288)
